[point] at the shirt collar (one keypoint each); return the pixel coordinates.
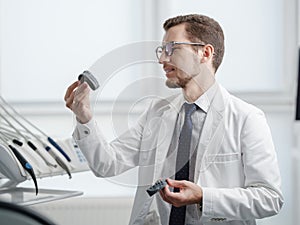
(204, 101)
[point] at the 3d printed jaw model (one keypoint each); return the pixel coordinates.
(89, 78)
(160, 184)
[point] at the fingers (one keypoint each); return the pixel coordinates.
(81, 103)
(189, 193)
(174, 198)
(70, 100)
(69, 96)
(82, 93)
(77, 99)
(176, 183)
(164, 193)
(71, 89)
(76, 93)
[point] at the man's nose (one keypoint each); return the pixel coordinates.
(163, 58)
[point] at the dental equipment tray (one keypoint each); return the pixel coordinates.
(12, 173)
(27, 196)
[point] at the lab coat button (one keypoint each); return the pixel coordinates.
(86, 132)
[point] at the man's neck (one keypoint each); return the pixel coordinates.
(195, 88)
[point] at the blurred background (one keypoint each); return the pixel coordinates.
(45, 45)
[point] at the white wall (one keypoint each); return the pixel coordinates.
(46, 44)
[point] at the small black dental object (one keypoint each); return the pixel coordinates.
(90, 79)
(160, 184)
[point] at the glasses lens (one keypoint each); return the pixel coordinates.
(159, 51)
(169, 49)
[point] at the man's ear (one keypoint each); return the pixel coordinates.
(207, 53)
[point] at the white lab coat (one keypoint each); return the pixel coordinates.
(236, 167)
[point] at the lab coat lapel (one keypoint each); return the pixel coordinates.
(213, 131)
(165, 134)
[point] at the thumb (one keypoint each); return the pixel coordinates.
(176, 183)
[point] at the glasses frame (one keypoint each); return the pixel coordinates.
(168, 48)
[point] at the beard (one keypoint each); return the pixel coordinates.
(178, 81)
(172, 84)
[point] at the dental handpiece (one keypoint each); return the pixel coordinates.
(30, 144)
(6, 134)
(33, 147)
(25, 164)
(52, 154)
(55, 157)
(59, 161)
(51, 141)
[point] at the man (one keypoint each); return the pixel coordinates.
(215, 149)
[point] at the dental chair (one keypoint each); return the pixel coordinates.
(12, 214)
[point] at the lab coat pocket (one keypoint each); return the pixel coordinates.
(222, 170)
(222, 158)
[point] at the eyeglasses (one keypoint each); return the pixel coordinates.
(168, 48)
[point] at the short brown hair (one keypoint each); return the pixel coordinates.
(202, 28)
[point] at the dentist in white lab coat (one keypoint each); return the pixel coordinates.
(234, 175)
